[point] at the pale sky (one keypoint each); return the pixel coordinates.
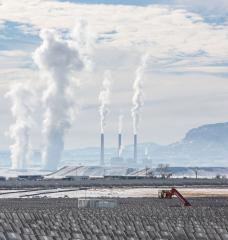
(185, 82)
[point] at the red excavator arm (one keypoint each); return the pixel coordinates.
(180, 196)
(170, 193)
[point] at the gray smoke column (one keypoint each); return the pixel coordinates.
(59, 61)
(104, 99)
(22, 108)
(138, 96)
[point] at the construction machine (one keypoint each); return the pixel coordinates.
(168, 194)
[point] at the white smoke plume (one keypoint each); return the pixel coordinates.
(138, 96)
(84, 41)
(59, 61)
(120, 123)
(104, 98)
(22, 100)
(120, 152)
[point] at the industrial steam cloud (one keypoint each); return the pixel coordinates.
(59, 60)
(22, 100)
(138, 100)
(104, 98)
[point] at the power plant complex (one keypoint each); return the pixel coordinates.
(141, 191)
(118, 159)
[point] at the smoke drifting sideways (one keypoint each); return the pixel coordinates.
(59, 61)
(22, 99)
(104, 99)
(138, 95)
(84, 42)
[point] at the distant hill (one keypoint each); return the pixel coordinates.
(204, 146)
(214, 133)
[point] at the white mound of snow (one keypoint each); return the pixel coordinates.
(88, 171)
(6, 172)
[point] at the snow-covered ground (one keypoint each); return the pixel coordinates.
(88, 171)
(177, 172)
(98, 171)
(112, 192)
(32, 192)
(7, 172)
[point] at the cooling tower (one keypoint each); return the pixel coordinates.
(119, 143)
(135, 148)
(102, 150)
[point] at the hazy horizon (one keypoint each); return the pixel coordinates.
(181, 85)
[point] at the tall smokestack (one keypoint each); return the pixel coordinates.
(120, 127)
(102, 150)
(138, 100)
(135, 148)
(119, 144)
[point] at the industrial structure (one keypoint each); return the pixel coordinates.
(102, 150)
(118, 160)
(119, 144)
(135, 148)
(96, 203)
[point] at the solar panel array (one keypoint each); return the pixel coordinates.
(135, 218)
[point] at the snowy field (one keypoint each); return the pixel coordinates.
(97, 171)
(111, 192)
(6, 172)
